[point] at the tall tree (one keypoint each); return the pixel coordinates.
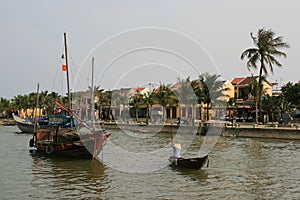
(253, 89)
(148, 100)
(136, 101)
(270, 105)
(267, 47)
(291, 93)
(4, 106)
(197, 87)
(165, 97)
(186, 95)
(212, 90)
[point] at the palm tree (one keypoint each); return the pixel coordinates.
(186, 95)
(4, 106)
(165, 97)
(148, 100)
(267, 47)
(231, 105)
(197, 87)
(104, 101)
(107, 101)
(270, 104)
(254, 91)
(18, 102)
(211, 90)
(136, 102)
(47, 101)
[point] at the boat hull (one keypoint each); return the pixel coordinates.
(191, 163)
(68, 143)
(64, 150)
(27, 126)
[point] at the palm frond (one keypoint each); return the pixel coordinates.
(252, 62)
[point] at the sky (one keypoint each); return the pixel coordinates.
(137, 42)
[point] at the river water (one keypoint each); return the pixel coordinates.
(239, 168)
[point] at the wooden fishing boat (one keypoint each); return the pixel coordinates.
(72, 142)
(68, 142)
(191, 163)
(80, 141)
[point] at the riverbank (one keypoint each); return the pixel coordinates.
(155, 128)
(263, 131)
(7, 122)
(290, 132)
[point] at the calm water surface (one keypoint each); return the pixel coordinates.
(239, 169)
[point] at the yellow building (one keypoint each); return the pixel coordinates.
(238, 87)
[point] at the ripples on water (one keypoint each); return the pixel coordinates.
(239, 169)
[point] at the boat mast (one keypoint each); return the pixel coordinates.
(35, 111)
(92, 98)
(68, 81)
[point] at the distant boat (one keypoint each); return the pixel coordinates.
(27, 125)
(7, 122)
(191, 163)
(80, 141)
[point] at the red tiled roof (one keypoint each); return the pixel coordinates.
(236, 80)
(243, 81)
(247, 81)
(139, 89)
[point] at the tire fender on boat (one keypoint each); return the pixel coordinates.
(49, 149)
(31, 142)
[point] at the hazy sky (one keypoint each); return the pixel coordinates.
(137, 42)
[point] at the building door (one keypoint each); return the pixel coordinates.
(174, 112)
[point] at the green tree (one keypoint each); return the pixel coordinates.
(49, 101)
(271, 105)
(164, 97)
(262, 56)
(4, 106)
(291, 93)
(104, 103)
(211, 90)
(197, 87)
(186, 95)
(136, 101)
(149, 100)
(231, 106)
(253, 90)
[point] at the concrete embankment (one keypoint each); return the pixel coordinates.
(262, 132)
(243, 131)
(152, 128)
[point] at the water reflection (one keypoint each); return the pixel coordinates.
(194, 175)
(60, 177)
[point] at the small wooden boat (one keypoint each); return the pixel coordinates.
(7, 122)
(27, 125)
(191, 163)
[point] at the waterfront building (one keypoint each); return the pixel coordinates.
(244, 102)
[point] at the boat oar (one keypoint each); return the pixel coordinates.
(31, 142)
(172, 138)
